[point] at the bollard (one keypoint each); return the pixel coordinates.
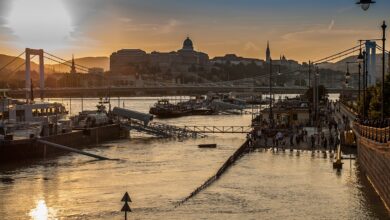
(338, 164)
(126, 208)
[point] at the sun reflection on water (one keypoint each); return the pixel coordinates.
(42, 212)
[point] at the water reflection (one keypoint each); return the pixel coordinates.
(157, 173)
(42, 212)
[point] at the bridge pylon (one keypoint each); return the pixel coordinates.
(37, 52)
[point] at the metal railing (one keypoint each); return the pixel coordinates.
(381, 135)
(220, 129)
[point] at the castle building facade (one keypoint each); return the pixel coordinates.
(128, 61)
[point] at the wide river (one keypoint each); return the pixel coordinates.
(158, 173)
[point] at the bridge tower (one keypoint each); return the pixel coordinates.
(37, 52)
(371, 62)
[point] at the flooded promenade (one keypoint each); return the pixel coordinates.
(160, 172)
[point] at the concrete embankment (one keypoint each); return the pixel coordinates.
(19, 150)
(374, 159)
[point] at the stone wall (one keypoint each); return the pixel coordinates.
(374, 159)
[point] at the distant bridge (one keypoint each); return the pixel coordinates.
(184, 89)
(149, 88)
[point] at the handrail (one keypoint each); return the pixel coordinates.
(381, 135)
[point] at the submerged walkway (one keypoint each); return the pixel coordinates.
(228, 163)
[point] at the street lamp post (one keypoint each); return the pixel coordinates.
(271, 118)
(309, 72)
(364, 83)
(316, 95)
(348, 74)
(384, 26)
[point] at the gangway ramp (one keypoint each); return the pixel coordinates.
(134, 115)
(141, 122)
(161, 130)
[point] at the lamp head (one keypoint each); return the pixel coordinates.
(365, 4)
(384, 26)
(360, 56)
(348, 74)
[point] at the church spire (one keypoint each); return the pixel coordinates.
(73, 67)
(268, 54)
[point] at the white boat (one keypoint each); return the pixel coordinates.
(24, 120)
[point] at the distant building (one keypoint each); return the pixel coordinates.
(289, 112)
(235, 60)
(125, 60)
(96, 70)
(291, 64)
(129, 61)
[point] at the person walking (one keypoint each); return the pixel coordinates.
(291, 139)
(331, 142)
(297, 139)
(325, 144)
(313, 140)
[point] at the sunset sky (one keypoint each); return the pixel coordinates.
(301, 30)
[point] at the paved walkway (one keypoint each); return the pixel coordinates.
(285, 144)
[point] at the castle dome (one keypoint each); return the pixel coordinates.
(187, 44)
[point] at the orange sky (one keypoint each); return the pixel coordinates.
(300, 31)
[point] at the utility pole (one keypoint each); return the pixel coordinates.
(364, 84)
(309, 73)
(271, 117)
(317, 95)
(384, 26)
(360, 69)
(314, 89)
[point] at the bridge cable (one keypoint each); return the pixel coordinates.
(336, 54)
(381, 48)
(337, 57)
(66, 61)
(12, 61)
(59, 62)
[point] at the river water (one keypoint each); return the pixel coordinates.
(158, 173)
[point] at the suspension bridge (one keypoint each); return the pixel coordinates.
(147, 88)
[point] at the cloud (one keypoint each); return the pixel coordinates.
(125, 19)
(170, 26)
(318, 35)
(250, 46)
(331, 25)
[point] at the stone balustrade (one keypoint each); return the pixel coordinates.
(381, 135)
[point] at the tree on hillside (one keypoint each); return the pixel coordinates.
(322, 93)
(373, 100)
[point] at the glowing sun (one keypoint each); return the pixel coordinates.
(42, 24)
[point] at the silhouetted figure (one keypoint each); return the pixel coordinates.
(313, 141)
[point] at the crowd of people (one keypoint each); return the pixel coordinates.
(298, 137)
